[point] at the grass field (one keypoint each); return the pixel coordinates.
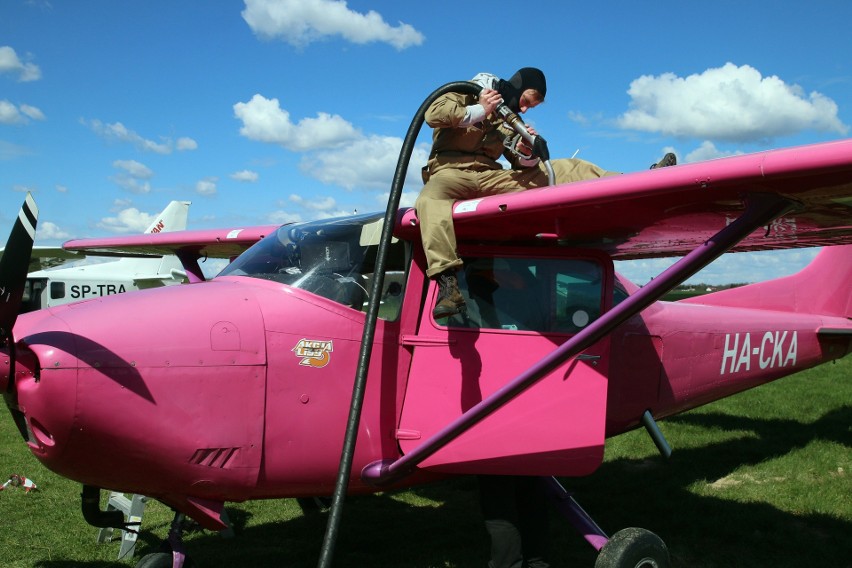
(763, 478)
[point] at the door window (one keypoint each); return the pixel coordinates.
(530, 294)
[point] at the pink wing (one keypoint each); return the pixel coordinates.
(211, 243)
(671, 211)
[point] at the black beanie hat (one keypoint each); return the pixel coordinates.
(523, 79)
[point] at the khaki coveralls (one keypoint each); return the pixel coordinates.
(463, 165)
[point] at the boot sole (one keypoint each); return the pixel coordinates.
(446, 312)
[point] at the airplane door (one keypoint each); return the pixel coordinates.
(519, 309)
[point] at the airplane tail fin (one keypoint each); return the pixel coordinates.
(173, 218)
(822, 287)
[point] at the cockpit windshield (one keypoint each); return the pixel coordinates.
(333, 258)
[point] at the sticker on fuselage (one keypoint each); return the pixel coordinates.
(314, 353)
(467, 206)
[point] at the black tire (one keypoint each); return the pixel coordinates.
(634, 548)
(313, 505)
(160, 560)
(156, 560)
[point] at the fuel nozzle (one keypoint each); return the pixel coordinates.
(537, 142)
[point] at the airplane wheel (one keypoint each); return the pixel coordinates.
(313, 505)
(160, 560)
(634, 548)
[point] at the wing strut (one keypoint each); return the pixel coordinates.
(760, 210)
(189, 261)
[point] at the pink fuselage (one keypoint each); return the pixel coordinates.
(240, 388)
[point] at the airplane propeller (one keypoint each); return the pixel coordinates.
(14, 265)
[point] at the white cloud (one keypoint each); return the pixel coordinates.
(347, 158)
(210, 267)
(245, 175)
(332, 214)
(120, 133)
(727, 103)
(32, 112)
(368, 163)
(11, 114)
(265, 121)
(134, 168)
(11, 63)
(314, 208)
(206, 186)
(281, 217)
(185, 143)
(134, 176)
(578, 118)
(9, 151)
(47, 230)
(731, 268)
(315, 204)
(300, 22)
(758, 266)
(129, 220)
(708, 151)
(131, 184)
(407, 199)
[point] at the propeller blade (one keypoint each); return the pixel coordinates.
(15, 264)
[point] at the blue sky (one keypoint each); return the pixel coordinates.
(266, 111)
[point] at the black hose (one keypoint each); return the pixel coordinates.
(92, 513)
(342, 483)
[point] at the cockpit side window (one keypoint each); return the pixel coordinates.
(530, 294)
(332, 258)
(32, 296)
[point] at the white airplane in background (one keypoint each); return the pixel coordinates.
(53, 286)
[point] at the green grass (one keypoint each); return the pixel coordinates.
(763, 478)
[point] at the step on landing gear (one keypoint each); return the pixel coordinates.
(628, 548)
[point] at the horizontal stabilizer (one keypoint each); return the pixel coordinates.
(834, 331)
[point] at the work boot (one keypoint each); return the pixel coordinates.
(450, 300)
(506, 545)
(668, 160)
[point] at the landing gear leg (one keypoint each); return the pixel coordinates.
(177, 557)
(628, 548)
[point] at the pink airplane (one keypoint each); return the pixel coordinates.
(311, 365)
